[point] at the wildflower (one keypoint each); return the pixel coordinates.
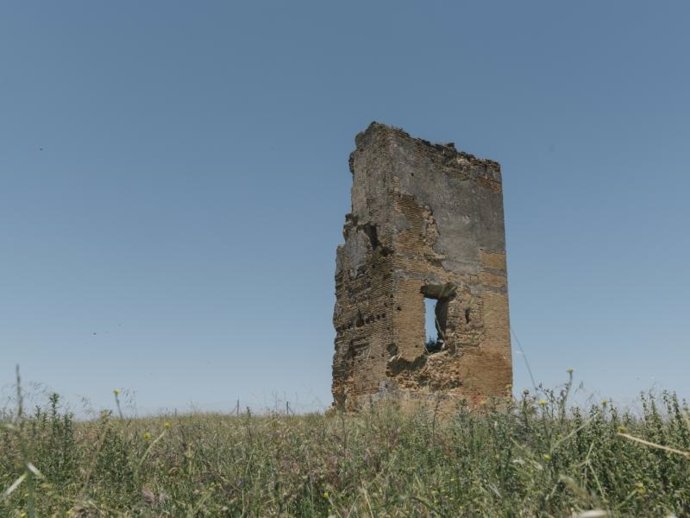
(570, 371)
(543, 402)
(622, 429)
(546, 457)
(116, 392)
(147, 436)
(167, 425)
(325, 494)
(639, 487)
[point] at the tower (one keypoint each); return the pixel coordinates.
(426, 223)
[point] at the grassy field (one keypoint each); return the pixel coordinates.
(530, 457)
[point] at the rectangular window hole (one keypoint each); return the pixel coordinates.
(435, 317)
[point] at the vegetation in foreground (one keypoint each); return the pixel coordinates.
(531, 457)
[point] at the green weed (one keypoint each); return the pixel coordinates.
(533, 456)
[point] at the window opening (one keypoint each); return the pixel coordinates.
(436, 315)
(435, 312)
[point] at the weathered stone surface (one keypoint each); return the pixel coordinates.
(426, 221)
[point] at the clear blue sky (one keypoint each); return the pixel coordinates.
(174, 180)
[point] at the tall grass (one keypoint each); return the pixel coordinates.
(532, 456)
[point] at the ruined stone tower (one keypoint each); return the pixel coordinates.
(426, 222)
